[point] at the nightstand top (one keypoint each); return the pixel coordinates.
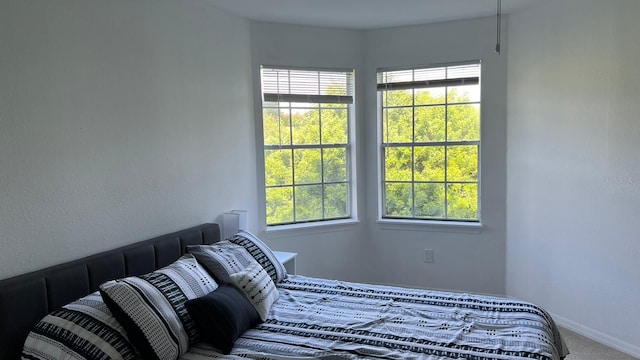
(284, 256)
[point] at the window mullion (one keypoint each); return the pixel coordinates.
(434, 143)
(293, 160)
(413, 151)
(446, 152)
(321, 161)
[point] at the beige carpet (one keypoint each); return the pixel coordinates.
(582, 348)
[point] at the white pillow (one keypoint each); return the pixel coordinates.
(262, 253)
(257, 286)
(221, 259)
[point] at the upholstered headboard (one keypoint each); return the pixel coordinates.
(25, 299)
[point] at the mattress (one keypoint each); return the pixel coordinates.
(330, 319)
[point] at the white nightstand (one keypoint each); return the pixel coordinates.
(288, 259)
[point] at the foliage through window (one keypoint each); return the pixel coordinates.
(430, 119)
(306, 127)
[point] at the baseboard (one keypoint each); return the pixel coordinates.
(598, 336)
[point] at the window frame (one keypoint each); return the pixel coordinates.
(396, 222)
(349, 147)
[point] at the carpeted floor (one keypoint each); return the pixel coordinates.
(582, 348)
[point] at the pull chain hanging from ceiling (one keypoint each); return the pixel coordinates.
(499, 22)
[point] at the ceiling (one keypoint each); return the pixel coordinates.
(367, 14)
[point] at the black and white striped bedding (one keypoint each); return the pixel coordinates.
(83, 329)
(328, 319)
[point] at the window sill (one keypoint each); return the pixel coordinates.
(431, 225)
(314, 227)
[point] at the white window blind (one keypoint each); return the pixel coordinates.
(307, 86)
(431, 77)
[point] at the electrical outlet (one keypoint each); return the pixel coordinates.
(428, 255)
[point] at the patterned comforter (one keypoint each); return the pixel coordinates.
(329, 319)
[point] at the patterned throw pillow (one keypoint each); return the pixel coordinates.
(257, 286)
(83, 329)
(151, 307)
(221, 259)
(222, 316)
(262, 253)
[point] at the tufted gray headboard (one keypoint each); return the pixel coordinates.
(27, 298)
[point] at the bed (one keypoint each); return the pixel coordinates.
(312, 318)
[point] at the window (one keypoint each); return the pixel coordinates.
(306, 117)
(430, 142)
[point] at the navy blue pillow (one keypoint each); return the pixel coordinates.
(222, 316)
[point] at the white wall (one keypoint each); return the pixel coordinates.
(368, 252)
(468, 261)
(339, 251)
(574, 165)
(118, 120)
